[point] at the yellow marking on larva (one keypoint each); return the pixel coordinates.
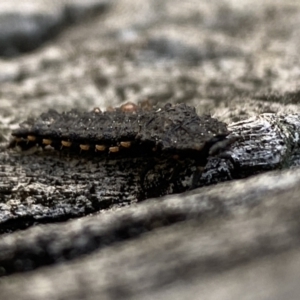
(84, 147)
(47, 141)
(31, 138)
(97, 110)
(125, 144)
(114, 149)
(66, 143)
(100, 148)
(129, 107)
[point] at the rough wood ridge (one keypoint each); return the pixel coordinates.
(47, 187)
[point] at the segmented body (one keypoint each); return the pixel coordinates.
(129, 130)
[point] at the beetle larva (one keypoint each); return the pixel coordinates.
(128, 130)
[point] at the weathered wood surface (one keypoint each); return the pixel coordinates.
(224, 242)
(50, 186)
(234, 240)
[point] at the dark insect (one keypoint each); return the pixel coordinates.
(129, 130)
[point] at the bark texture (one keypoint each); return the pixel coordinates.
(237, 239)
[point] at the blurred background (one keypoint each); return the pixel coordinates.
(210, 54)
(230, 58)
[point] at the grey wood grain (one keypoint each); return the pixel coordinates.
(238, 239)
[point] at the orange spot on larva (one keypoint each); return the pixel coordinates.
(97, 110)
(31, 138)
(66, 143)
(125, 144)
(84, 147)
(100, 147)
(114, 149)
(47, 141)
(129, 107)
